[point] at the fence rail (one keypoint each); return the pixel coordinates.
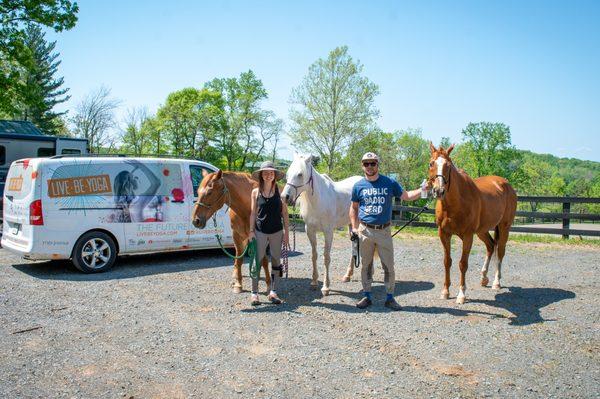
(399, 216)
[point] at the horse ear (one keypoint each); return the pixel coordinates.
(309, 159)
(219, 174)
(204, 172)
(449, 150)
(431, 147)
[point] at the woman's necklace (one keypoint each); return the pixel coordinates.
(270, 192)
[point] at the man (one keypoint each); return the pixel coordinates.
(370, 215)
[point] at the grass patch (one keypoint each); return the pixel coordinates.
(409, 231)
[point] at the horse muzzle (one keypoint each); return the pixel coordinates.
(287, 198)
(438, 192)
(199, 222)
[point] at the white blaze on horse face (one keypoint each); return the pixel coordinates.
(440, 168)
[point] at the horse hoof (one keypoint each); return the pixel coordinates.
(237, 290)
(460, 300)
(346, 279)
(444, 295)
(496, 286)
(325, 292)
(485, 281)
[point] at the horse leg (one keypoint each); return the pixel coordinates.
(463, 265)
(501, 249)
(445, 239)
(489, 246)
(312, 237)
(350, 272)
(237, 263)
(328, 235)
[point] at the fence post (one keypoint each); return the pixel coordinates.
(565, 222)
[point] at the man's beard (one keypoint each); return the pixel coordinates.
(371, 174)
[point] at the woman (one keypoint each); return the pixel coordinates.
(269, 225)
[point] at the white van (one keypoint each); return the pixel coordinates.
(89, 209)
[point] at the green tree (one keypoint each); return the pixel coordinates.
(243, 115)
(445, 142)
(42, 91)
(487, 150)
(15, 57)
(135, 139)
(191, 119)
(404, 154)
(333, 107)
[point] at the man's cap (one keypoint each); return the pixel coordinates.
(370, 156)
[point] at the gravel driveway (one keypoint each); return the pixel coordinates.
(168, 326)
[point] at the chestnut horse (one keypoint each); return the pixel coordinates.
(466, 207)
(234, 189)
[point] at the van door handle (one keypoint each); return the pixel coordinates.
(178, 202)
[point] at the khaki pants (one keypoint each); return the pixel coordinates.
(262, 240)
(382, 241)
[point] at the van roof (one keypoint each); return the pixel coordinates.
(105, 159)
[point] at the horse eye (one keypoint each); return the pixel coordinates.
(299, 174)
(430, 164)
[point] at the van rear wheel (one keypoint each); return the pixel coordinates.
(94, 252)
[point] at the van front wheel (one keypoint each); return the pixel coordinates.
(94, 252)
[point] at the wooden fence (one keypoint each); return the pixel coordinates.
(401, 214)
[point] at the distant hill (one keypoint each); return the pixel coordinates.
(580, 178)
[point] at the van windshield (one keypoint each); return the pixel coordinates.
(18, 181)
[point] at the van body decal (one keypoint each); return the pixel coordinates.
(83, 185)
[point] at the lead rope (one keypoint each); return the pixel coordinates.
(284, 258)
(251, 250)
(413, 218)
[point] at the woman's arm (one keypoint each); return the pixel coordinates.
(252, 212)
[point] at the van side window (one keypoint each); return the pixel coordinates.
(45, 152)
(197, 176)
(70, 151)
(2, 155)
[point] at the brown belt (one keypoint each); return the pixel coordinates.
(376, 226)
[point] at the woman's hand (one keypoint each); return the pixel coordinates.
(251, 236)
(286, 238)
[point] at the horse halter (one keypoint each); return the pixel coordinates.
(224, 192)
(446, 181)
(309, 181)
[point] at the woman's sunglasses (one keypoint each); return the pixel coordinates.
(365, 164)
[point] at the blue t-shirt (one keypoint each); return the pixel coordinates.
(375, 199)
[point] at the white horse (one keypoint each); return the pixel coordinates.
(324, 206)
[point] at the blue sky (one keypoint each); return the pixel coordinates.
(439, 65)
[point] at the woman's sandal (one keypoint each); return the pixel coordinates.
(254, 300)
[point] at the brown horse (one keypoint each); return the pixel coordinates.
(466, 207)
(234, 189)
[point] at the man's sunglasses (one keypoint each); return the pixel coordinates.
(365, 164)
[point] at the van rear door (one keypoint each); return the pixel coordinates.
(19, 196)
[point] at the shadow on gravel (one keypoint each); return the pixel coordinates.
(130, 266)
(298, 293)
(525, 303)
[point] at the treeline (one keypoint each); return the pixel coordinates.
(223, 121)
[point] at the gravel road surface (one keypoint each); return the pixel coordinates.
(168, 326)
